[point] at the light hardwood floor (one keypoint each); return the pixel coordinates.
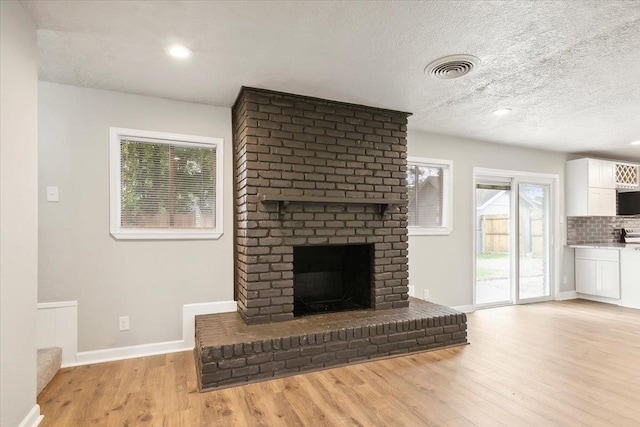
(573, 363)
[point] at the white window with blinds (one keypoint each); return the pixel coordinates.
(429, 191)
(165, 186)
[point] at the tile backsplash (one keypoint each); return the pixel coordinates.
(598, 229)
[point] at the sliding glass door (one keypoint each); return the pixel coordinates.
(493, 242)
(533, 242)
(513, 241)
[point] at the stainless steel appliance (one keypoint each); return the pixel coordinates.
(630, 235)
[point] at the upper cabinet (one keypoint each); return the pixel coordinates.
(602, 173)
(590, 188)
(627, 177)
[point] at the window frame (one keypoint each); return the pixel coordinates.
(115, 191)
(447, 197)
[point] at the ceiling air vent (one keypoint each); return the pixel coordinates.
(452, 67)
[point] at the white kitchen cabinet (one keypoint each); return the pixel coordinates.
(598, 272)
(630, 278)
(590, 187)
(609, 279)
(601, 202)
(586, 276)
(627, 176)
(602, 173)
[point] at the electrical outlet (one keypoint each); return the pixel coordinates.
(412, 290)
(426, 294)
(124, 323)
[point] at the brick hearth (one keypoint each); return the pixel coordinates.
(230, 352)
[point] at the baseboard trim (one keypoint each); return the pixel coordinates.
(131, 352)
(33, 418)
(464, 308)
(563, 296)
(189, 312)
(598, 298)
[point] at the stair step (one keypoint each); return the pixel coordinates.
(49, 361)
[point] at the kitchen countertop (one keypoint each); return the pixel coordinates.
(608, 245)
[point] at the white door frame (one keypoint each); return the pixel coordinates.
(554, 227)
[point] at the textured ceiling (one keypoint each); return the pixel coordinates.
(570, 70)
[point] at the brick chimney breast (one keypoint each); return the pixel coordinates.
(308, 172)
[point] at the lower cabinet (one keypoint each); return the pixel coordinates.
(630, 278)
(598, 272)
(586, 273)
(609, 274)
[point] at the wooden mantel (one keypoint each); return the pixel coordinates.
(284, 200)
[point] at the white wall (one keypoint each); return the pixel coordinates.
(79, 260)
(19, 215)
(443, 264)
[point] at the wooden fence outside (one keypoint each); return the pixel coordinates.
(495, 232)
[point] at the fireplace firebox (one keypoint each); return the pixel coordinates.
(331, 278)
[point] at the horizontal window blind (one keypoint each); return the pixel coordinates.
(426, 187)
(493, 185)
(167, 185)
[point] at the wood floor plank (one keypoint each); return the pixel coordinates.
(570, 363)
(460, 422)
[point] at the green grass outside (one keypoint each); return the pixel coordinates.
(486, 272)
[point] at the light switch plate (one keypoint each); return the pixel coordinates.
(52, 194)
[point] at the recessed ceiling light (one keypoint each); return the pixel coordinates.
(636, 142)
(179, 51)
(502, 112)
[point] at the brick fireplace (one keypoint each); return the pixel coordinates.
(312, 172)
(320, 246)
